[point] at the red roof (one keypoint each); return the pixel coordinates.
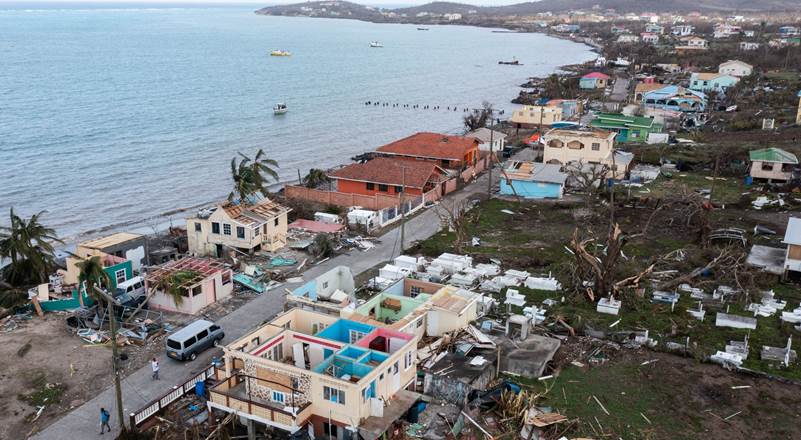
(389, 171)
(432, 146)
(595, 75)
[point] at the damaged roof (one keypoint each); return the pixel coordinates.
(252, 214)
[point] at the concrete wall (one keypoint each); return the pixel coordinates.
(354, 187)
(774, 174)
(212, 289)
(562, 148)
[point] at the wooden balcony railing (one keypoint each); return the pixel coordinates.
(223, 394)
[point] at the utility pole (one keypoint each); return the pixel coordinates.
(489, 168)
(403, 213)
(115, 357)
(612, 194)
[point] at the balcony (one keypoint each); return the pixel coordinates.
(233, 395)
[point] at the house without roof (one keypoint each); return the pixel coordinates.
(772, 164)
(333, 377)
(245, 227)
(388, 175)
(533, 116)
(533, 180)
(675, 98)
(202, 281)
(446, 151)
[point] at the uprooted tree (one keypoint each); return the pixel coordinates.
(598, 266)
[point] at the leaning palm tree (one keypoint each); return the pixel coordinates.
(28, 244)
(251, 175)
(91, 274)
(173, 285)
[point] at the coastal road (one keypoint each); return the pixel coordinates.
(138, 388)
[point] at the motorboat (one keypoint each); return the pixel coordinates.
(422, 29)
(376, 44)
(280, 108)
(280, 53)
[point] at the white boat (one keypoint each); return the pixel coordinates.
(281, 53)
(376, 44)
(280, 108)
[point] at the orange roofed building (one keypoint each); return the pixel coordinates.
(387, 175)
(448, 152)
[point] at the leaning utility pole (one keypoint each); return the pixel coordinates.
(115, 358)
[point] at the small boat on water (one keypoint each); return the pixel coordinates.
(514, 62)
(422, 29)
(376, 44)
(280, 53)
(280, 108)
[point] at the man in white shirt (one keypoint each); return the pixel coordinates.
(154, 364)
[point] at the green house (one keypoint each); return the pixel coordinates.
(628, 128)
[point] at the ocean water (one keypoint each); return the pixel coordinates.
(116, 117)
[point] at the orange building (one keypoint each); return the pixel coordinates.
(385, 175)
(448, 152)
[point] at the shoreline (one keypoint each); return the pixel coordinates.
(158, 223)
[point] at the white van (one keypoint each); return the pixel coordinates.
(135, 287)
(196, 337)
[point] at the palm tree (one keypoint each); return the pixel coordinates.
(27, 243)
(249, 175)
(92, 274)
(315, 178)
(173, 285)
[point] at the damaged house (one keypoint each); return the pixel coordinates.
(332, 377)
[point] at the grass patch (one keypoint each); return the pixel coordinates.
(44, 392)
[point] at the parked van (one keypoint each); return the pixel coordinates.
(196, 337)
(135, 287)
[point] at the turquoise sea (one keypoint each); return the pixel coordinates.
(111, 117)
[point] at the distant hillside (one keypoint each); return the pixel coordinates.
(420, 14)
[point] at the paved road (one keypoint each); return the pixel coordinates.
(620, 90)
(138, 388)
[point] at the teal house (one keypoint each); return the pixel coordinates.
(533, 180)
(708, 82)
(628, 128)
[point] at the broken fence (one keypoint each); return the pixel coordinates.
(139, 417)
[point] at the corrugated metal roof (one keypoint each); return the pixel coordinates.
(773, 155)
(793, 234)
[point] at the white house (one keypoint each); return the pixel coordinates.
(792, 238)
(246, 227)
(649, 38)
(682, 30)
(735, 68)
(628, 38)
(749, 45)
(489, 140)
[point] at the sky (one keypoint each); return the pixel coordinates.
(392, 3)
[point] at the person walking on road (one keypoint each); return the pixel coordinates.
(104, 418)
(154, 364)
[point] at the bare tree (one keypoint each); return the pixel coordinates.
(479, 117)
(598, 265)
(587, 178)
(453, 214)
